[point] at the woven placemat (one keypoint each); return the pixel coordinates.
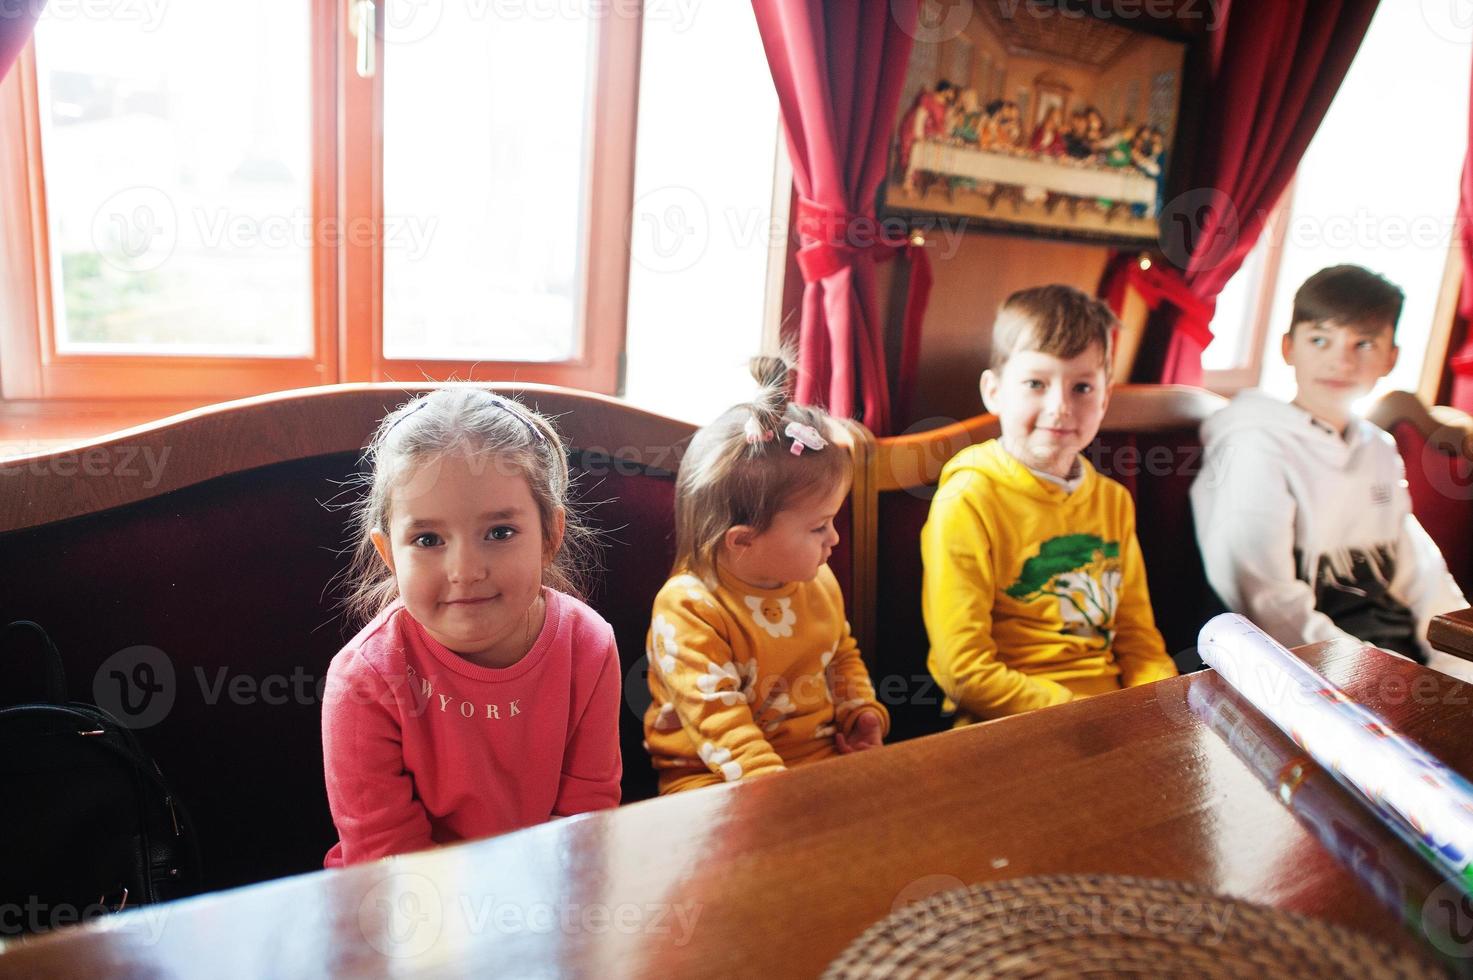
(1106, 925)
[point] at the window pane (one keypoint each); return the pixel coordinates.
(485, 112)
(1384, 202)
(177, 152)
(1232, 320)
(703, 227)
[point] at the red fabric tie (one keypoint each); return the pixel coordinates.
(1190, 331)
(833, 240)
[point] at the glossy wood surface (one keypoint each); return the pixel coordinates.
(1453, 633)
(775, 877)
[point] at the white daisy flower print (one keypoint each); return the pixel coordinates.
(714, 685)
(747, 671)
(776, 616)
(828, 677)
(721, 760)
(667, 720)
(777, 709)
(662, 645)
(695, 589)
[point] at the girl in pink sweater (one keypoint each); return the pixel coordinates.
(482, 695)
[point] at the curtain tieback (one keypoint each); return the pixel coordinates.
(832, 240)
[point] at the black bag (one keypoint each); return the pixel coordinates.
(88, 823)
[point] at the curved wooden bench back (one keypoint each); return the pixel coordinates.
(231, 437)
(1148, 441)
(195, 556)
(201, 550)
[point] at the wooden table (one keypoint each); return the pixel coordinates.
(775, 877)
(1453, 633)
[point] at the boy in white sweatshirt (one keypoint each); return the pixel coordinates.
(1302, 511)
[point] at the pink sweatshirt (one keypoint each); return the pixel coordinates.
(422, 747)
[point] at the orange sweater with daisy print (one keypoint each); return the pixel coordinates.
(750, 681)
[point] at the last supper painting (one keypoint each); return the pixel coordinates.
(1028, 118)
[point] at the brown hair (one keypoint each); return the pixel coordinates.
(1350, 296)
(740, 469)
(1057, 320)
(471, 420)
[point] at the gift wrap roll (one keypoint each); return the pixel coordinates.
(1402, 879)
(1422, 799)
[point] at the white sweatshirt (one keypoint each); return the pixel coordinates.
(1311, 535)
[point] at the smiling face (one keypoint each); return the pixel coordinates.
(1049, 407)
(467, 549)
(1335, 364)
(792, 548)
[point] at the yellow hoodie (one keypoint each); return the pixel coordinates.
(1033, 595)
(749, 681)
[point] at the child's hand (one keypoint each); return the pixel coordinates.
(866, 734)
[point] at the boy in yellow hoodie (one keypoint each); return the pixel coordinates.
(1035, 591)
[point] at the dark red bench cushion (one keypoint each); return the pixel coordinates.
(229, 580)
(1441, 486)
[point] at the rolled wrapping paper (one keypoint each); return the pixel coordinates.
(1422, 799)
(1401, 879)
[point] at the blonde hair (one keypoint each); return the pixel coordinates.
(1057, 320)
(741, 469)
(478, 423)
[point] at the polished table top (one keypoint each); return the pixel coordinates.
(775, 877)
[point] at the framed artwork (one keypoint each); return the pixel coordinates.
(1065, 127)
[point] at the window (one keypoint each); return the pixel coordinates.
(1234, 359)
(709, 226)
(1377, 187)
(206, 203)
(177, 198)
(485, 146)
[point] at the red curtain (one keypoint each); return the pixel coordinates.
(838, 69)
(17, 20)
(1461, 360)
(1273, 69)
(1177, 331)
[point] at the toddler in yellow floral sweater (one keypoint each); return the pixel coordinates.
(752, 665)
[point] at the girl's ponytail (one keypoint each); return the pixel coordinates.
(750, 463)
(774, 375)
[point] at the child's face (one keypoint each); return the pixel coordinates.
(465, 544)
(1336, 364)
(1049, 407)
(793, 548)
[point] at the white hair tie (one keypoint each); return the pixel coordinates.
(754, 431)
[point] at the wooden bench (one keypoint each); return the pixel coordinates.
(1148, 441)
(1436, 445)
(201, 550)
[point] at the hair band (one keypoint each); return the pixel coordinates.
(754, 431)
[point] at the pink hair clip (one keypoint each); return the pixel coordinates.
(755, 433)
(804, 436)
